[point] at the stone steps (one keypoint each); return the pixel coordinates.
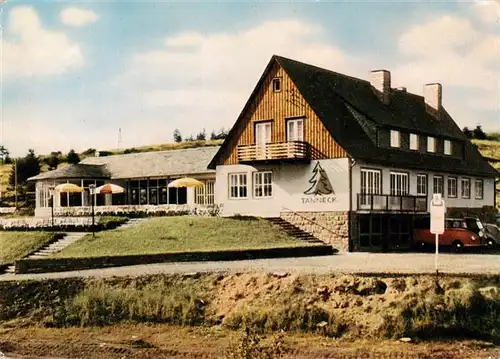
(294, 231)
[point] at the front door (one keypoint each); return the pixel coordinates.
(262, 137)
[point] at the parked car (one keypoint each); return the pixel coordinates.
(494, 231)
(459, 233)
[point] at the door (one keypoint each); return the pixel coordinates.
(262, 137)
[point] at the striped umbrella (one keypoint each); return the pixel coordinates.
(69, 188)
(109, 188)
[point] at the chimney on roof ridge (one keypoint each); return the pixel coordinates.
(381, 84)
(433, 94)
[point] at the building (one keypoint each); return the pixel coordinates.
(145, 176)
(349, 160)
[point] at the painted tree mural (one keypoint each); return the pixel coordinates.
(320, 184)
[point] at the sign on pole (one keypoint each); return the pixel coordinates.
(438, 212)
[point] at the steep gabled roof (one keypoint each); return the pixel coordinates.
(352, 112)
(74, 171)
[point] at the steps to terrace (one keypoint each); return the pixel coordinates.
(132, 222)
(294, 231)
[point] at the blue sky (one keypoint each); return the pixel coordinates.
(73, 73)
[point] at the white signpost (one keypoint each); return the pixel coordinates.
(438, 212)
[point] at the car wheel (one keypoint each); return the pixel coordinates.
(457, 246)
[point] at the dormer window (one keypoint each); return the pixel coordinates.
(276, 85)
(447, 147)
(413, 142)
(395, 138)
(431, 144)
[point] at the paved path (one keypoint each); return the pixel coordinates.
(404, 263)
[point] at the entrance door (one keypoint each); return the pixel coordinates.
(262, 137)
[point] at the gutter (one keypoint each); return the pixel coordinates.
(352, 162)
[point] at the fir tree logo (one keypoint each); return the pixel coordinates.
(320, 184)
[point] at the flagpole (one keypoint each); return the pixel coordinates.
(15, 181)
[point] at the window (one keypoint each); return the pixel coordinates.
(295, 129)
(394, 138)
(438, 184)
(238, 185)
(277, 85)
(205, 195)
(262, 184)
(452, 187)
(421, 185)
(431, 144)
(413, 142)
(447, 147)
(479, 189)
(465, 188)
(370, 184)
(399, 183)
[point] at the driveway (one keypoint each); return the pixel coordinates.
(390, 263)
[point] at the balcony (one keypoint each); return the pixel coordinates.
(294, 151)
(391, 203)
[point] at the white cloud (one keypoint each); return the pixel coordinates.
(203, 80)
(30, 50)
(454, 52)
(487, 11)
(77, 17)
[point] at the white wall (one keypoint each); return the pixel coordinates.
(290, 181)
(489, 186)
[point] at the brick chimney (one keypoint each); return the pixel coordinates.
(433, 94)
(381, 84)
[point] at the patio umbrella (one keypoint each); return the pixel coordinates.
(109, 189)
(185, 182)
(69, 188)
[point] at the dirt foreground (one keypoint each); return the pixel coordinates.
(164, 341)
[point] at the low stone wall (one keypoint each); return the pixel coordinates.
(328, 227)
(72, 264)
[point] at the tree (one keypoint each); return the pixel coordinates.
(201, 136)
(27, 167)
(177, 135)
(467, 132)
(4, 154)
(222, 134)
(53, 160)
(478, 133)
(320, 184)
(72, 157)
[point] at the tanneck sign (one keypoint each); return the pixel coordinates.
(320, 189)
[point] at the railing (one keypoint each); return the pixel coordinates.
(274, 151)
(385, 202)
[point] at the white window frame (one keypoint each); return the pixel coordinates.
(464, 194)
(395, 139)
(205, 195)
(452, 189)
(414, 145)
(370, 183)
(447, 147)
(399, 183)
(295, 129)
(435, 184)
(235, 181)
(431, 144)
(263, 181)
(422, 185)
(479, 190)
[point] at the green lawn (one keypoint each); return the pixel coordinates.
(15, 245)
(182, 234)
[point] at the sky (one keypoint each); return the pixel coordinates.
(73, 73)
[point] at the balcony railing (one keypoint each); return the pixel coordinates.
(274, 151)
(385, 202)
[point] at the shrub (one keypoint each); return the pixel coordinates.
(250, 345)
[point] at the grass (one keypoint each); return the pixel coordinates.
(15, 245)
(182, 234)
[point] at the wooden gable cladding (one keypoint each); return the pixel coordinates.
(277, 107)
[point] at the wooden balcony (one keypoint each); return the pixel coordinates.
(293, 151)
(391, 203)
